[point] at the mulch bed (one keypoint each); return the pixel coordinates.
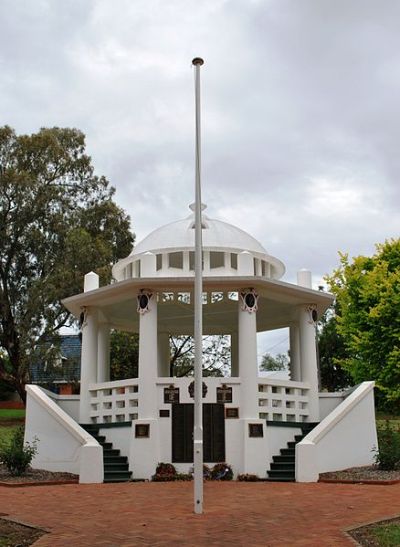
(34, 477)
(364, 535)
(369, 474)
(14, 534)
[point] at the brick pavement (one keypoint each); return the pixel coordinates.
(236, 514)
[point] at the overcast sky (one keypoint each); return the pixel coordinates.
(300, 110)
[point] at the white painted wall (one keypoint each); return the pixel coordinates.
(62, 444)
(345, 438)
(70, 405)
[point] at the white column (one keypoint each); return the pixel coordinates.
(148, 349)
(103, 353)
(245, 263)
(88, 362)
(148, 265)
(234, 355)
(295, 371)
(308, 358)
(248, 366)
(164, 354)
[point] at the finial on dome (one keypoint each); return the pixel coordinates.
(192, 206)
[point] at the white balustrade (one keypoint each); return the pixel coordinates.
(283, 400)
(112, 402)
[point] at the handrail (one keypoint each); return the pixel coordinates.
(338, 413)
(60, 415)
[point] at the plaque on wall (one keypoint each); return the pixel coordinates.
(191, 389)
(224, 394)
(231, 413)
(142, 431)
(256, 430)
(171, 394)
(164, 413)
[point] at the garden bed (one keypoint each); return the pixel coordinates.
(35, 477)
(369, 474)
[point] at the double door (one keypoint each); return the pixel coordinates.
(213, 432)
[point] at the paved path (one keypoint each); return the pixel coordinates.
(236, 514)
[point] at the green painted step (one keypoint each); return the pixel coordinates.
(288, 452)
(278, 459)
(115, 459)
(283, 466)
(277, 474)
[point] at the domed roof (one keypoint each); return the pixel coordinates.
(215, 234)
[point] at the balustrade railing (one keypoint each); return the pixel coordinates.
(114, 401)
(283, 400)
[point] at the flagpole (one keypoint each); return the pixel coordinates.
(198, 313)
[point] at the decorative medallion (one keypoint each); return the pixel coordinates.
(249, 300)
(191, 389)
(143, 299)
(313, 314)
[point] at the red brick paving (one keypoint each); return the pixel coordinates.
(235, 514)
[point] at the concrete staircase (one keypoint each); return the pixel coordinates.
(283, 465)
(116, 467)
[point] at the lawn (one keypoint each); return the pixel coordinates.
(8, 414)
(10, 420)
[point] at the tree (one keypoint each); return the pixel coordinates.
(331, 349)
(367, 290)
(124, 355)
(57, 222)
(216, 355)
(277, 362)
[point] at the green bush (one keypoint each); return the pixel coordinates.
(16, 455)
(387, 456)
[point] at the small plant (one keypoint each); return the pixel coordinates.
(16, 455)
(387, 456)
(221, 472)
(164, 472)
(247, 477)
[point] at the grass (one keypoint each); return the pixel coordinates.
(6, 433)
(382, 418)
(12, 414)
(387, 535)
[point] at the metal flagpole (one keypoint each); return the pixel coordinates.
(198, 314)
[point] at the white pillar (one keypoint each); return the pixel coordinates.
(304, 278)
(88, 362)
(91, 282)
(164, 354)
(148, 349)
(234, 355)
(245, 263)
(308, 358)
(248, 365)
(103, 353)
(148, 265)
(295, 371)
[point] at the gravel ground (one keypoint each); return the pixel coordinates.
(35, 475)
(368, 472)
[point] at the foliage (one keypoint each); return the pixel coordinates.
(247, 477)
(16, 454)
(216, 355)
(166, 472)
(221, 472)
(332, 350)
(12, 414)
(124, 355)
(58, 221)
(367, 291)
(277, 362)
(387, 456)
(385, 534)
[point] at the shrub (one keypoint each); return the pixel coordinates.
(247, 477)
(165, 469)
(16, 455)
(221, 472)
(387, 456)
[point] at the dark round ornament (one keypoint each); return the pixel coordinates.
(143, 301)
(250, 300)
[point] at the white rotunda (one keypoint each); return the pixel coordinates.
(276, 429)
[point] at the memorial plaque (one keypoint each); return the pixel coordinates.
(142, 431)
(231, 413)
(224, 394)
(164, 413)
(171, 394)
(256, 430)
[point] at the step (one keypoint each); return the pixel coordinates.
(282, 474)
(117, 476)
(106, 445)
(283, 466)
(283, 459)
(114, 459)
(298, 438)
(288, 452)
(99, 438)
(111, 452)
(116, 466)
(291, 444)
